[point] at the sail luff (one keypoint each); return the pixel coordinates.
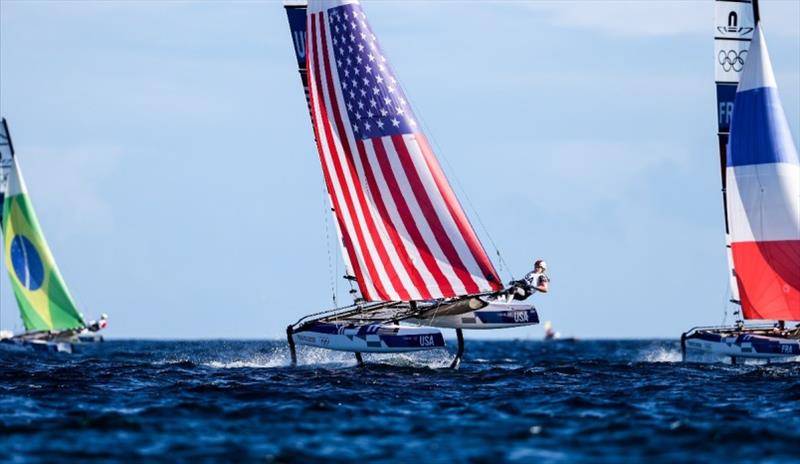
(732, 35)
(296, 15)
(333, 172)
(409, 234)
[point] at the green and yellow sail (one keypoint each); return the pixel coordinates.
(43, 299)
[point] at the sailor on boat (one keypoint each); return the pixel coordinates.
(95, 326)
(534, 281)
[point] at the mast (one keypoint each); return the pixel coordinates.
(296, 14)
(756, 14)
(733, 32)
(6, 153)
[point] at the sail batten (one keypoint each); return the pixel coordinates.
(408, 237)
(763, 177)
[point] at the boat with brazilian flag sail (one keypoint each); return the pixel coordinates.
(51, 318)
(761, 185)
(410, 252)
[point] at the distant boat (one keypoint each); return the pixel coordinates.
(761, 191)
(410, 252)
(550, 334)
(51, 319)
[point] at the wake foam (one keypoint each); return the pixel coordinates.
(661, 355)
(279, 357)
(275, 357)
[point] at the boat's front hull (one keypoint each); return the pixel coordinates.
(721, 344)
(496, 315)
(64, 342)
(42, 346)
(368, 338)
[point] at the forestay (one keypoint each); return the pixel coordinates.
(763, 179)
(405, 233)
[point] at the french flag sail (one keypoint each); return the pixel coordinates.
(763, 194)
(406, 235)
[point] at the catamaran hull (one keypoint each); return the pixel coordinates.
(41, 346)
(714, 346)
(494, 316)
(65, 344)
(369, 338)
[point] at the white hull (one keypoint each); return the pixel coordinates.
(37, 345)
(369, 338)
(55, 344)
(497, 315)
(732, 345)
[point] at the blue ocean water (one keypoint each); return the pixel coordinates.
(511, 401)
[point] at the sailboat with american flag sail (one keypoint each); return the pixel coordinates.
(406, 242)
(761, 187)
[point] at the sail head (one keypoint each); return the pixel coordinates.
(763, 178)
(405, 233)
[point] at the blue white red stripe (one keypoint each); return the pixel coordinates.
(408, 237)
(763, 178)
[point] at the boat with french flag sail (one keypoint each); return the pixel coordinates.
(761, 185)
(413, 259)
(49, 313)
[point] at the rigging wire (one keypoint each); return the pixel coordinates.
(725, 305)
(331, 272)
(441, 154)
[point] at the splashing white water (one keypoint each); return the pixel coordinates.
(167, 362)
(433, 359)
(279, 357)
(662, 355)
(276, 357)
(261, 362)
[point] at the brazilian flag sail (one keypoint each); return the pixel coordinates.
(42, 296)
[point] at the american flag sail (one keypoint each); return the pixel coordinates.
(763, 178)
(405, 232)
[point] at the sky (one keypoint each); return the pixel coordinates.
(169, 155)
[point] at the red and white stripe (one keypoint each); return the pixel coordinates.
(405, 232)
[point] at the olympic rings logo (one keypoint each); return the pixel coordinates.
(732, 60)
